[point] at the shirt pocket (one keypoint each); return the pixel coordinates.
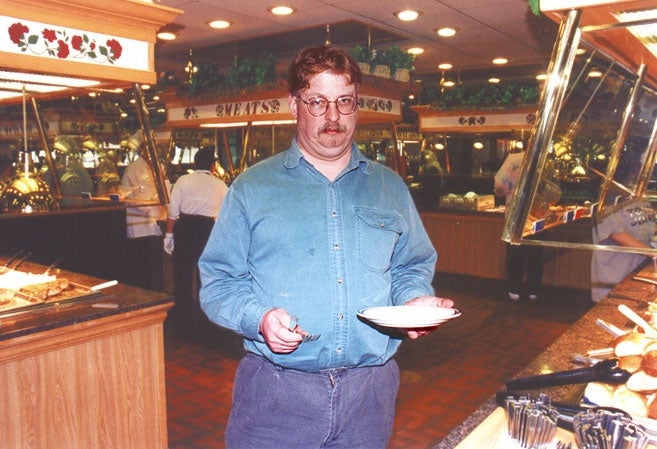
(377, 232)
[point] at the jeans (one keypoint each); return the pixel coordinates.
(276, 408)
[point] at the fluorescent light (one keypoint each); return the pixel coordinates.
(254, 123)
(273, 122)
(50, 80)
(646, 33)
(223, 125)
(12, 83)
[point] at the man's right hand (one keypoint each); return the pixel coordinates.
(275, 328)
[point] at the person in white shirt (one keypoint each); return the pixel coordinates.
(194, 205)
(144, 257)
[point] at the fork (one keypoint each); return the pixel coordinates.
(294, 327)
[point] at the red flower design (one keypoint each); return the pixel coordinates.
(49, 35)
(63, 49)
(17, 31)
(92, 46)
(116, 48)
(76, 42)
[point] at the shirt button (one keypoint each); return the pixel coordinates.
(334, 214)
(340, 316)
(338, 349)
(336, 247)
(339, 280)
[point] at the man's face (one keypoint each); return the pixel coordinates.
(326, 137)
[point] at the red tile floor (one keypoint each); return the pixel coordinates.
(445, 376)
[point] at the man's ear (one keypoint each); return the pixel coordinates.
(294, 104)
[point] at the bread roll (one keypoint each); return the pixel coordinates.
(630, 363)
(599, 394)
(630, 401)
(642, 382)
(649, 362)
(631, 343)
(652, 406)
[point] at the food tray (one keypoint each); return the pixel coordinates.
(34, 296)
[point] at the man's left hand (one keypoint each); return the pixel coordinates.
(432, 301)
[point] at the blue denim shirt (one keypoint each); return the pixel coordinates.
(288, 237)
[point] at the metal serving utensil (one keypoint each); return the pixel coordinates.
(294, 327)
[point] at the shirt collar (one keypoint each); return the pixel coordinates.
(356, 160)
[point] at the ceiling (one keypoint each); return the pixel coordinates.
(486, 29)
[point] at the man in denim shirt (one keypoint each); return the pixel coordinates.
(317, 233)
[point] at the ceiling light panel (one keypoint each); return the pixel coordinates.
(647, 34)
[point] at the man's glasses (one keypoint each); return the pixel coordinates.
(318, 106)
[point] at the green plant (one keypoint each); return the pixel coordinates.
(207, 78)
(503, 95)
(361, 54)
(252, 71)
(396, 58)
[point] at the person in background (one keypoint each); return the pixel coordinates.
(521, 260)
(631, 224)
(7, 159)
(304, 240)
(144, 256)
(194, 204)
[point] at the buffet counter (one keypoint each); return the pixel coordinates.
(488, 422)
(469, 243)
(84, 372)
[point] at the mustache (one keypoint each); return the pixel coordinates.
(333, 127)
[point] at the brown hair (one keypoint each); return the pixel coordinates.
(313, 60)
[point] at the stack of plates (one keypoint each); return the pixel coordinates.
(409, 317)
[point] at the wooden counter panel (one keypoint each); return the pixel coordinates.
(471, 244)
(96, 384)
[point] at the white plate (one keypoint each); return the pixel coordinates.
(409, 317)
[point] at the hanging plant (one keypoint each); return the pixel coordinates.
(495, 96)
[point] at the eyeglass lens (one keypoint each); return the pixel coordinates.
(319, 105)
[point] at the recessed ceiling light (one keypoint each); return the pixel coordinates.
(494, 80)
(445, 66)
(219, 24)
(500, 61)
(407, 15)
(166, 36)
(415, 51)
(541, 76)
(446, 32)
(595, 74)
(281, 10)
(449, 84)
